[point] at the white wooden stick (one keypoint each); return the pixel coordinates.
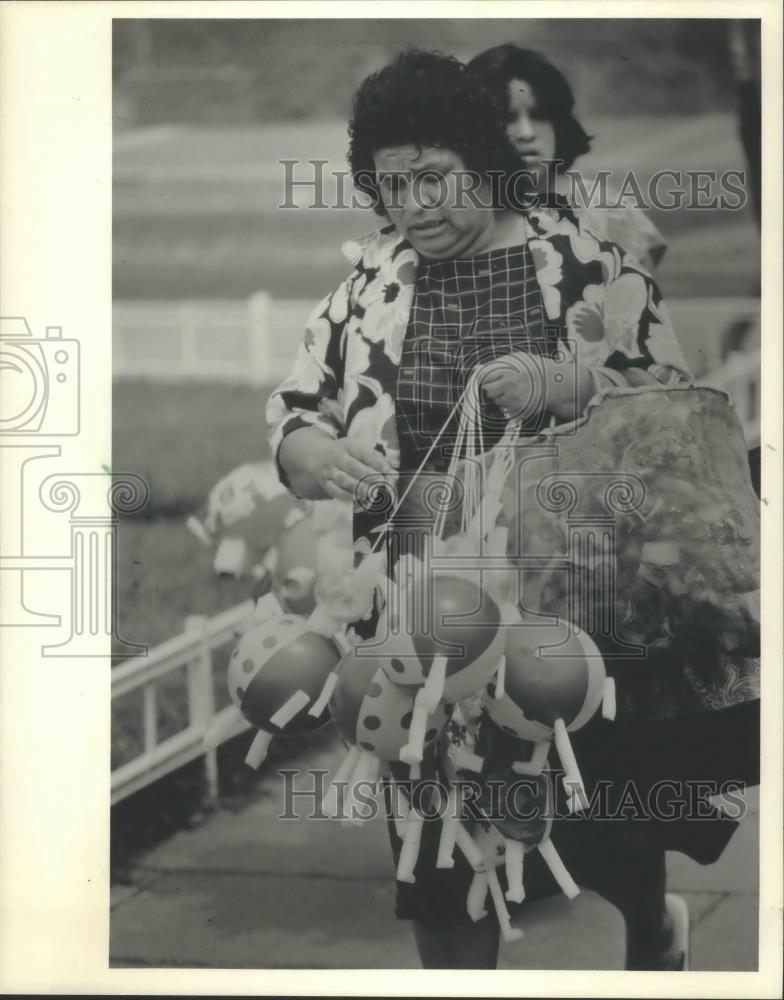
(537, 762)
(329, 804)
(257, 752)
(500, 679)
(468, 761)
(577, 800)
(608, 699)
(578, 797)
(400, 809)
(409, 852)
(564, 747)
(321, 702)
(513, 860)
(572, 779)
(508, 932)
(413, 751)
(477, 893)
(539, 756)
(433, 690)
(373, 773)
(449, 824)
(558, 868)
(473, 853)
(426, 702)
(366, 770)
(289, 709)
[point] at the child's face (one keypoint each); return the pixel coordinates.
(531, 135)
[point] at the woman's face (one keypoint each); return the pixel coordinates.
(531, 135)
(423, 189)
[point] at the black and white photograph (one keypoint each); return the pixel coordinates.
(273, 392)
(426, 566)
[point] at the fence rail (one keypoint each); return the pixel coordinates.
(255, 340)
(193, 650)
(233, 340)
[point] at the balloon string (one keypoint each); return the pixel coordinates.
(471, 430)
(474, 478)
(467, 434)
(422, 465)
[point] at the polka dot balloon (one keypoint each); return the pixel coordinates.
(276, 675)
(464, 626)
(373, 713)
(552, 683)
(441, 634)
(374, 716)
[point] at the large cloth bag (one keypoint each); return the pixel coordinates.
(639, 524)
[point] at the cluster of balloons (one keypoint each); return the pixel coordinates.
(441, 639)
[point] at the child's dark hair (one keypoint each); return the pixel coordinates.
(496, 67)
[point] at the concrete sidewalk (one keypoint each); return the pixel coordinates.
(246, 890)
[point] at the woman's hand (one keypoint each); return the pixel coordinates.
(350, 469)
(319, 467)
(527, 385)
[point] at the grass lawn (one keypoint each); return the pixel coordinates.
(165, 575)
(182, 439)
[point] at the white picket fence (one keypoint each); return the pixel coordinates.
(227, 340)
(193, 650)
(254, 340)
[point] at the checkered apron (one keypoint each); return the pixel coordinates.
(464, 313)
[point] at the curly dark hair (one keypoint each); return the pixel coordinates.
(495, 67)
(425, 99)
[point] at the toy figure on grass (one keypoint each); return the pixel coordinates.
(259, 531)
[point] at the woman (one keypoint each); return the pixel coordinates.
(448, 283)
(537, 106)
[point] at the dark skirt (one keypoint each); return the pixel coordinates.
(654, 778)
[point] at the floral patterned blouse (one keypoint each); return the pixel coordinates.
(607, 311)
(605, 308)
